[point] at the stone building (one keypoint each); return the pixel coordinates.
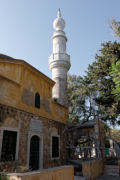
(33, 108)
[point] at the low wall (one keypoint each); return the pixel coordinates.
(119, 165)
(58, 173)
(93, 169)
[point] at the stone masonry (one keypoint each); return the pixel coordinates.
(16, 118)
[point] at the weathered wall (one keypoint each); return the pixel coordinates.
(10, 70)
(18, 84)
(93, 169)
(21, 120)
(61, 173)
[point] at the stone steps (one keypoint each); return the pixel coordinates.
(81, 178)
(111, 170)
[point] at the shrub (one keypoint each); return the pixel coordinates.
(3, 176)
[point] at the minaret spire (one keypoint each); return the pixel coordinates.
(59, 13)
(59, 61)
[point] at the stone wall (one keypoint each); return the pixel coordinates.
(59, 173)
(93, 169)
(21, 120)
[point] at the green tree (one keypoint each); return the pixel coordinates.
(80, 99)
(92, 95)
(101, 81)
(115, 72)
(115, 133)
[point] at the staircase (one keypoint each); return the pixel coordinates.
(111, 170)
(81, 178)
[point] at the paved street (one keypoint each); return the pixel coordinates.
(109, 178)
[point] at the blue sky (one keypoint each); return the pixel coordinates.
(26, 29)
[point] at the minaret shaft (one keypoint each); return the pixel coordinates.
(59, 45)
(59, 62)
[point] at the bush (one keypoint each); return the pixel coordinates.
(3, 176)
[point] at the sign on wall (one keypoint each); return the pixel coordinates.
(36, 125)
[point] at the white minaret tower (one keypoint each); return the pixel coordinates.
(59, 61)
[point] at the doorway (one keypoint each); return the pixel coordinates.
(34, 152)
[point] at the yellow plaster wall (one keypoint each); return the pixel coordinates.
(16, 75)
(9, 92)
(61, 173)
(10, 70)
(32, 81)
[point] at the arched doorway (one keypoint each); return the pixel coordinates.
(34, 152)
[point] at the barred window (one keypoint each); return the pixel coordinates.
(8, 145)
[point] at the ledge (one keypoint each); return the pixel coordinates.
(39, 171)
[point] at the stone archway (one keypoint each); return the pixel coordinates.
(34, 157)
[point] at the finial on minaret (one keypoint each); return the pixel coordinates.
(59, 23)
(59, 13)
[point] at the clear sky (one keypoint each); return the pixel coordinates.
(26, 29)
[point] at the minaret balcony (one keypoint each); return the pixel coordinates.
(59, 56)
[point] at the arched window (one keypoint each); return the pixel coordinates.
(37, 100)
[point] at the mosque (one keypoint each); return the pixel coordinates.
(33, 108)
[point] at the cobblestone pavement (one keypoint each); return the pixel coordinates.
(109, 178)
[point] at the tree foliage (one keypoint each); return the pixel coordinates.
(99, 75)
(115, 72)
(81, 105)
(115, 133)
(92, 95)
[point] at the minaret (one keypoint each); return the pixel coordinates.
(59, 61)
